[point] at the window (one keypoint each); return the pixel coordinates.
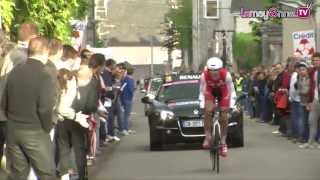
(174, 93)
(211, 9)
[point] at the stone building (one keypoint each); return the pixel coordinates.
(132, 31)
(210, 17)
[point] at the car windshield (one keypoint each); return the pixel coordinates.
(176, 92)
(155, 84)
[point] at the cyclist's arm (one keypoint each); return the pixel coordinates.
(202, 90)
(231, 90)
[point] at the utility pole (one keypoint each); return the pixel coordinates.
(151, 66)
(224, 52)
(224, 44)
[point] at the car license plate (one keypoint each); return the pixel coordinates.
(188, 124)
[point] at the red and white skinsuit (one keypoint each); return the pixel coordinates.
(224, 83)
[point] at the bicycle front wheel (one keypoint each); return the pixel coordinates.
(217, 146)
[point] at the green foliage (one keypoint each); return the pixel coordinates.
(6, 12)
(171, 34)
(269, 3)
(99, 44)
(52, 16)
(182, 20)
(256, 27)
(247, 50)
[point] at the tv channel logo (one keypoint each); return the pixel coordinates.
(303, 12)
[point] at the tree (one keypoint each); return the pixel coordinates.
(244, 45)
(52, 16)
(182, 21)
(171, 40)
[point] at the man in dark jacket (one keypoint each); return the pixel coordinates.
(28, 102)
(279, 70)
(15, 56)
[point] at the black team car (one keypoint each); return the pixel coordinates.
(175, 116)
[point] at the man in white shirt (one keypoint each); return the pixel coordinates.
(296, 109)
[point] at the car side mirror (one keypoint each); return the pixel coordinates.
(146, 100)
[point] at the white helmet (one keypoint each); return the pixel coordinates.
(214, 63)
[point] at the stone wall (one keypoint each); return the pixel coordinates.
(271, 43)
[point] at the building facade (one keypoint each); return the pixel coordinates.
(294, 25)
(131, 30)
(210, 18)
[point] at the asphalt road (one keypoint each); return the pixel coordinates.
(265, 157)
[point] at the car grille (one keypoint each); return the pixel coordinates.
(190, 131)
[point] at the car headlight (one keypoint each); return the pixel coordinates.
(166, 115)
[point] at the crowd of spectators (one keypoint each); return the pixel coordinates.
(287, 96)
(58, 106)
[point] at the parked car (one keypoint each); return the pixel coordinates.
(152, 89)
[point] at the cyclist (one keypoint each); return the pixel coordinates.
(216, 84)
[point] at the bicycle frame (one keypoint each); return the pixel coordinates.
(216, 124)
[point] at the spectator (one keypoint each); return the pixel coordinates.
(28, 102)
(55, 54)
(18, 55)
(267, 110)
(261, 95)
(238, 82)
(5, 47)
(255, 93)
(303, 88)
(279, 71)
(76, 105)
(69, 57)
(313, 104)
(251, 97)
(116, 109)
(127, 99)
(107, 96)
(296, 110)
(286, 124)
(54, 61)
(97, 64)
(10, 57)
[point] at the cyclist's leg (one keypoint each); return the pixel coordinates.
(209, 106)
(224, 121)
(224, 125)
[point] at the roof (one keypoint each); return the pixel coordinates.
(236, 5)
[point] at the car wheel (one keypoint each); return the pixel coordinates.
(155, 139)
